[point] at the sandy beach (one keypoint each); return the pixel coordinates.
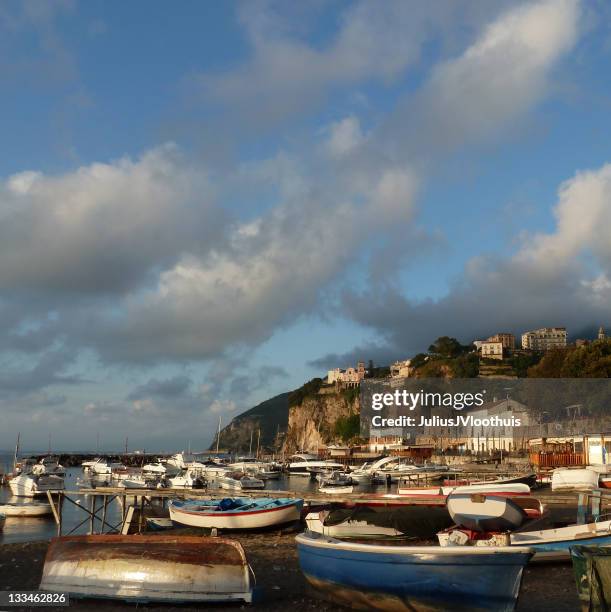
(280, 584)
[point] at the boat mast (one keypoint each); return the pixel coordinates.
(218, 436)
(16, 451)
(250, 447)
(258, 442)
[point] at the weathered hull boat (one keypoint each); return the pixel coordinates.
(25, 509)
(413, 578)
(481, 512)
(554, 544)
(566, 479)
(592, 569)
(238, 513)
(148, 568)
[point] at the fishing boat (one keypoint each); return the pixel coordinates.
(144, 569)
(28, 509)
(480, 512)
(31, 485)
(592, 569)
(442, 492)
(567, 479)
(238, 481)
(236, 513)
(408, 578)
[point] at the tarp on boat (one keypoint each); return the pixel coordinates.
(148, 568)
(415, 521)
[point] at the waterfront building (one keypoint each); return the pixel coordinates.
(544, 339)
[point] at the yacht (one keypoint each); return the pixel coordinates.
(304, 464)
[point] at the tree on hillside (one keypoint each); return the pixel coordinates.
(590, 361)
(447, 347)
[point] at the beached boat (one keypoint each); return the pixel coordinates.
(331, 489)
(409, 578)
(567, 479)
(592, 569)
(238, 481)
(481, 512)
(352, 527)
(488, 489)
(25, 509)
(148, 568)
(158, 523)
(236, 513)
(30, 485)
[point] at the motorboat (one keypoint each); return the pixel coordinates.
(49, 465)
(185, 479)
(303, 464)
(334, 478)
(236, 513)
(238, 481)
(31, 485)
(103, 467)
(29, 509)
(407, 578)
(141, 568)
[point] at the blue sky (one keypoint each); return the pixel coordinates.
(207, 204)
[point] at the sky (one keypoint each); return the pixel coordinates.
(206, 204)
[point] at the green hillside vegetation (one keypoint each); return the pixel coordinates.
(589, 361)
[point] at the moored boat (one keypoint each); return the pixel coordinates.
(408, 578)
(489, 489)
(25, 509)
(239, 481)
(147, 568)
(335, 489)
(31, 485)
(236, 513)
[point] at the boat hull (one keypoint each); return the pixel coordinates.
(412, 578)
(147, 568)
(247, 519)
(481, 512)
(25, 509)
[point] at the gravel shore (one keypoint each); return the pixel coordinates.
(281, 586)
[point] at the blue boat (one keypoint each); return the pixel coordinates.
(236, 512)
(413, 578)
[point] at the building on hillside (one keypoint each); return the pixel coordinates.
(506, 339)
(491, 350)
(350, 377)
(401, 369)
(544, 339)
(601, 333)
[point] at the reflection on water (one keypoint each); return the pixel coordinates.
(26, 529)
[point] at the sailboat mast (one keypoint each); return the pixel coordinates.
(258, 442)
(218, 435)
(16, 451)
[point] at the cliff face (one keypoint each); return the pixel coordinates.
(312, 422)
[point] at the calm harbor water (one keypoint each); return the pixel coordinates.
(29, 529)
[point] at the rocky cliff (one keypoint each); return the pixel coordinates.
(312, 421)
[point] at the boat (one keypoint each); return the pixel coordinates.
(49, 465)
(25, 509)
(334, 478)
(186, 479)
(238, 481)
(236, 513)
(136, 482)
(2, 521)
(303, 464)
(140, 568)
(567, 479)
(157, 523)
(321, 522)
(442, 492)
(102, 467)
(336, 489)
(30, 485)
(480, 512)
(592, 569)
(529, 479)
(408, 578)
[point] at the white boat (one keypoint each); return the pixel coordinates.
(102, 467)
(49, 465)
(259, 469)
(335, 478)
(25, 509)
(303, 464)
(237, 481)
(154, 469)
(154, 568)
(512, 489)
(136, 482)
(30, 485)
(481, 512)
(351, 528)
(567, 479)
(236, 513)
(186, 479)
(336, 489)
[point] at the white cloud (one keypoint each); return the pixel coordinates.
(344, 136)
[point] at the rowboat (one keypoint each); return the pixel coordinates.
(25, 509)
(511, 489)
(322, 522)
(412, 578)
(592, 569)
(567, 479)
(155, 523)
(335, 489)
(147, 568)
(236, 513)
(481, 512)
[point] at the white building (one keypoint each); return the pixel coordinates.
(492, 350)
(350, 377)
(544, 339)
(401, 369)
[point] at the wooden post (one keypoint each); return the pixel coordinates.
(91, 518)
(104, 514)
